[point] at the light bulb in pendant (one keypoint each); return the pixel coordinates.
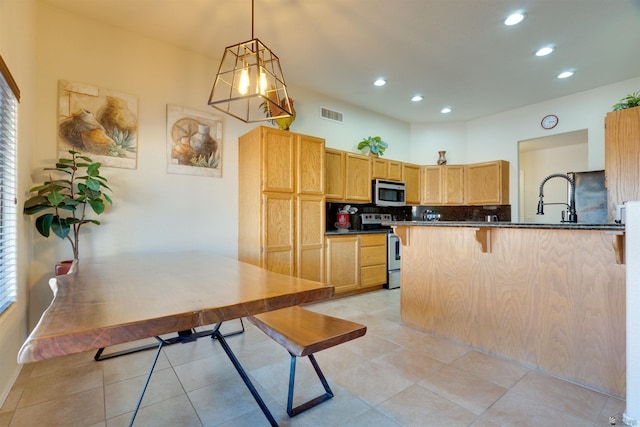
(262, 82)
(243, 84)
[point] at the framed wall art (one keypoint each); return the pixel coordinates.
(194, 142)
(99, 122)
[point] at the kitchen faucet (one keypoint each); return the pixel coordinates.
(573, 216)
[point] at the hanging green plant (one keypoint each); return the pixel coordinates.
(629, 101)
(375, 145)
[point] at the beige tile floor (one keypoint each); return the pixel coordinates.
(393, 376)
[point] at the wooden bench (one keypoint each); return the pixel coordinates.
(303, 333)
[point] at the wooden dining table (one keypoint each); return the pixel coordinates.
(112, 300)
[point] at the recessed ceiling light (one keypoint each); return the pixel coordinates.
(515, 18)
(565, 74)
(544, 51)
(445, 110)
(380, 82)
(417, 98)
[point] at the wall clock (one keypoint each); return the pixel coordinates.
(549, 121)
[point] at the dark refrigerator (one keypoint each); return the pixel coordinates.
(591, 197)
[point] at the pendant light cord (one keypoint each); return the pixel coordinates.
(252, 37)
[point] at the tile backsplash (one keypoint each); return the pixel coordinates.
(415, 213)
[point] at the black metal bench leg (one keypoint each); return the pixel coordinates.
(313, 402)
(218, 336)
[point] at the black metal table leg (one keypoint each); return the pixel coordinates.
(218, 336)
(146, 384)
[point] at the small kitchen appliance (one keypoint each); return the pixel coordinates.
(388, 193)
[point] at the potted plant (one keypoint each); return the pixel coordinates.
(65, 199)
(375, 144)
(629, 101)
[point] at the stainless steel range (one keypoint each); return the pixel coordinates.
(394, 248)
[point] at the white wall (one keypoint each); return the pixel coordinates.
(427, 139)
(17, 41)
(357, 125)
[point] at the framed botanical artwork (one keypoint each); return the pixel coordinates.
(194, 142)
(101, 123)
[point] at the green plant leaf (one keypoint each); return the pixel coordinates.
(55, 198)
(97, 205)
(93, 184)
(60, 227)
(43, 224)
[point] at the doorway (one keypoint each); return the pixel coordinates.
(541, 157)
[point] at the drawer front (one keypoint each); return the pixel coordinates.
(373, 239)
(373, 255)
(373, 275)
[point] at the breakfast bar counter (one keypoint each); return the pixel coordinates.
(548, 296)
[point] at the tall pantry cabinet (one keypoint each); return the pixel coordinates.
(281, 202)
(621, 157)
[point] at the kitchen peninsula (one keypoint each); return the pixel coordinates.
(549, 296)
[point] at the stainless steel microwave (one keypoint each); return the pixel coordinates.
(388, 193)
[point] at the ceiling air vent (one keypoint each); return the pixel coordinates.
(335, 116)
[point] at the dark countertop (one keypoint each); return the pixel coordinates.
(347, 233)
(498, 224)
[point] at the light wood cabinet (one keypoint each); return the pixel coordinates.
(281, 213)
(343, 262)
(347, 177)
(356, 261)
(373, 259)
(621, 153)
(278, 154)
(311, 226)
(386, 169)
(310, 165)
(411, 178)
(334, 176)
(431, 185)
(278, 245)
(453, 185)
(442, 185)
(357, 178)
(487, 183)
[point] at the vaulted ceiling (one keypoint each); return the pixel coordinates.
(455, 53)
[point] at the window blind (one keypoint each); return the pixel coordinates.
(8, 133)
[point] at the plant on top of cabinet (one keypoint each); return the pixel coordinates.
(629, 101)
(375, 144)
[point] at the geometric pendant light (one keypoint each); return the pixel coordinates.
(250, 85)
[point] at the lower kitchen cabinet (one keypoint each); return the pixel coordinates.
(356, 261)
(343, 262)
(373, 260)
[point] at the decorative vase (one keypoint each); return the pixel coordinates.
(442, 160)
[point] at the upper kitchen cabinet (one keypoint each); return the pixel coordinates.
(347, 176)
(311, 165)
(442, 185)
(334, 175)
(411, 178)
(621, 152)
(281, 202)
(487, 183)
(278, 154)
(357, 186)
(386, 169)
